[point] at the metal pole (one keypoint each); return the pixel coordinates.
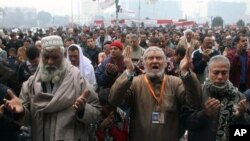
(71, 8)
(98, 7)
(139, 16)
(79, 12)
(211, 22)
(116, 12)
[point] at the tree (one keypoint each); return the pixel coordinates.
(240, 23)
(217, 21)
(44, 18)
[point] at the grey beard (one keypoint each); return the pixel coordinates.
(53, 76)
(154, 75)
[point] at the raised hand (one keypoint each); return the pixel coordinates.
(212, 105)
(81, 100)
(108, 121)
(225, 52)
(240, 47)
(184, 64)
(241, 107)
(111, 69)
(13, 103)
(206, 53)
(127, 60)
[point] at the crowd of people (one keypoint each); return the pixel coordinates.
(120, 84)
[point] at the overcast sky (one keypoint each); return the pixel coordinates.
(63, 7)
(59, 7)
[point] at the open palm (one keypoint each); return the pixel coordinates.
(184, 64)
(13, 103)
(127, 59)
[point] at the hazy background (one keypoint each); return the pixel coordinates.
(85, 11)
(57, 7)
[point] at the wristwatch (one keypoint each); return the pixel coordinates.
(184, 75)
(130, 76)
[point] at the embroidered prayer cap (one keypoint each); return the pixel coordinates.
(52, 41)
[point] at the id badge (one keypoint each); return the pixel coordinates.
(158, 117)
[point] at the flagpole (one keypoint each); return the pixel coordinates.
(116, 12)
(139, 16)
(71, 10)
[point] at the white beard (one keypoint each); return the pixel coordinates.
(153, 74)
(52, 73)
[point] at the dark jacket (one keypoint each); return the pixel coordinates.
(92, 54)
(12, 64)
(9, 78)
(9, 130)
(13, 44)
(24, 72)
(235, 70)
(104, 79)
(198, 63)
(202, 127)
(6, 73)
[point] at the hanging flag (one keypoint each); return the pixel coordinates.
(151, 1)
(127, 12)
(104, 4)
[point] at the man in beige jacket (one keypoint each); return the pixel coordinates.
(188, 42)
(155, 99)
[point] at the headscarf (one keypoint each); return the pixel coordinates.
(85, 66)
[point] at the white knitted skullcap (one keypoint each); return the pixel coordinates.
(52, 41)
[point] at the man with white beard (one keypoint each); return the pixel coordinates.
(57, 102)
(155, 99)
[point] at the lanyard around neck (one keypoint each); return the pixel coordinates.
(157, 98)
